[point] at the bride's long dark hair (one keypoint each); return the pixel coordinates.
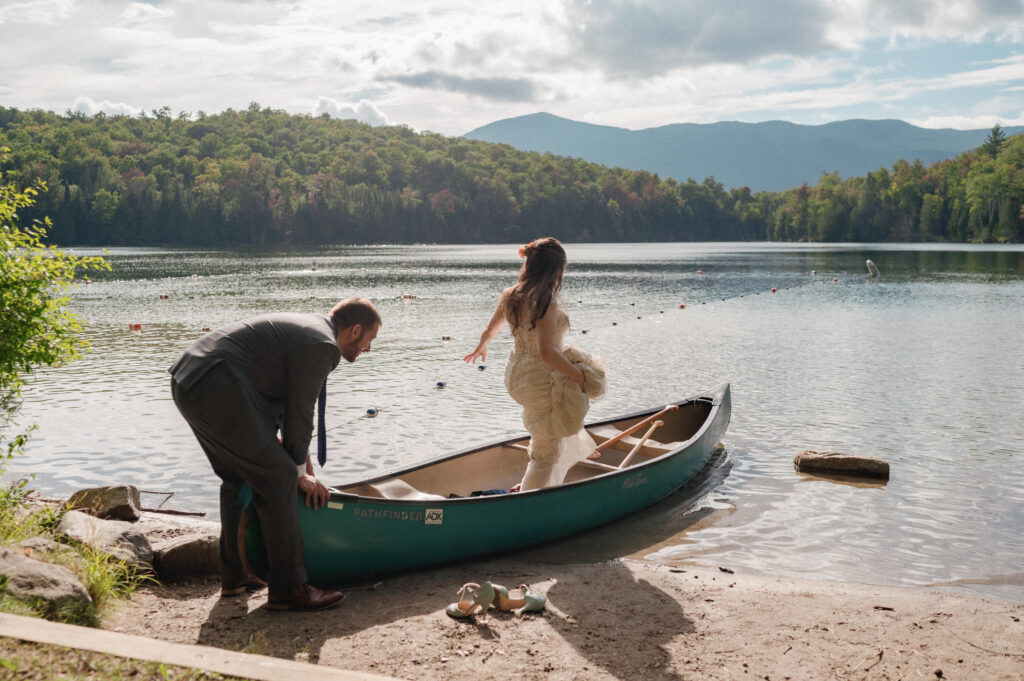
(540, 280)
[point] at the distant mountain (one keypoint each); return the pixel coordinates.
(772, 156)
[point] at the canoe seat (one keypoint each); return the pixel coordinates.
(650, 448)
(392, 489)
(596, 465)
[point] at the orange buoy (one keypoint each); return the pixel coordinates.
(682, 306)
(206, 328)
(773, 289)
(135, 326)
(835, 281)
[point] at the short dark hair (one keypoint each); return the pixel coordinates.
(352, 311)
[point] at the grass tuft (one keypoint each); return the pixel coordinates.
(107, 579)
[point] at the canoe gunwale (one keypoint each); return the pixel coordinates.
(715, 397)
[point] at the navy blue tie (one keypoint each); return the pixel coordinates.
(321, 426)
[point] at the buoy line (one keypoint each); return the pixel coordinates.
(441, 384)
(751, 292)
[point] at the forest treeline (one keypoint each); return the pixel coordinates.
(266, 178)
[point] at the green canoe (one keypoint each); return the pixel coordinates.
(412, 518)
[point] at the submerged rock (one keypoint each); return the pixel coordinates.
(117, 502)
(812, 461)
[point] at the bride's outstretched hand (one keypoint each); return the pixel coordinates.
(479, 352)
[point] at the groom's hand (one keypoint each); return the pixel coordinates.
(316, 493)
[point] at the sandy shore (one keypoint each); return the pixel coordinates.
(622, 619)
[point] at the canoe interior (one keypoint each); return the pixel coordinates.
(501, 466)
(405, 519)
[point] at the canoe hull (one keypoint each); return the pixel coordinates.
(357, 538)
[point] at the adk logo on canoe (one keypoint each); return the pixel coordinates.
(434, 516)
(629, 483)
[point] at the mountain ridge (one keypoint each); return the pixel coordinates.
(769, 156)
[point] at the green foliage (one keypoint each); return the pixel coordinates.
(36, 329)
(264, 178)
(994, 142)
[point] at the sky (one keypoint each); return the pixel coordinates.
(450, 66)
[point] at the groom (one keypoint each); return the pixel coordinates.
(236, 386)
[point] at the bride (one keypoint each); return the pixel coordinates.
(554, 383)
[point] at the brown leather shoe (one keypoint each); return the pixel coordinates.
(305, 597)
(250, 583)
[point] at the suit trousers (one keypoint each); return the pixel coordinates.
(224, 420)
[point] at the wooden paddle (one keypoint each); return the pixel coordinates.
(644, 439)
(632, 429)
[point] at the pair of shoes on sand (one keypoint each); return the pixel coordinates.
(304, 597)
(477, 599)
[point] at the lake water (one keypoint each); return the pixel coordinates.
(922, 366)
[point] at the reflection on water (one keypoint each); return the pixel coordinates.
(920, 366)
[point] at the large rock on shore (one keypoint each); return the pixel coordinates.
(812, 461)
(121, 539)
(187, 555)
(117, 502)
(28, 578)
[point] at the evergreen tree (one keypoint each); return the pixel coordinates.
(994, 142)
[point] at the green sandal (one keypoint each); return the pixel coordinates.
(471, 597)
(518, 600)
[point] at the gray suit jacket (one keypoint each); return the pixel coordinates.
(279, 360)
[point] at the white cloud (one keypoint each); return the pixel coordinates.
(641, 38)
(1006, 71)
(363, 111)
(36, 12)
(140, 13)
(453, 65)
(967, 122)
(90, 107)
(949, 19)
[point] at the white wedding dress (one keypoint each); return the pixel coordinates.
(554, 406)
